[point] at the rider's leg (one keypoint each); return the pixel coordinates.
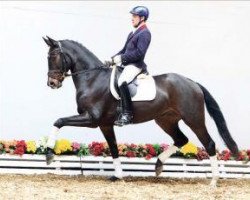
(126, 115)
(128, 75)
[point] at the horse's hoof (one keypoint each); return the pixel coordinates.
(114, 178)
(158, 167)
(213, 183)
(49, 156)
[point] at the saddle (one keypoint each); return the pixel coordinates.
(142, 88)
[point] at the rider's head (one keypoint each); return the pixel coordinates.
(139, 15)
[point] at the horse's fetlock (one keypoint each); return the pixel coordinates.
(59, 123)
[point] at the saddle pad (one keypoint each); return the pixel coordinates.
(146, 89)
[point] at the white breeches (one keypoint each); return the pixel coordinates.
(128, 74)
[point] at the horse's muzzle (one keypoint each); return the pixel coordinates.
(53, 83)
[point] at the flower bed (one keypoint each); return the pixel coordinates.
(66, 147)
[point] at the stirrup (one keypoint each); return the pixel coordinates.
(124, 119)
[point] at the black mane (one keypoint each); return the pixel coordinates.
(84, 49)
(76, 43)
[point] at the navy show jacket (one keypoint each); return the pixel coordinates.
(136, 47)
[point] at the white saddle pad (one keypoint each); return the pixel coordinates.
(146, 89)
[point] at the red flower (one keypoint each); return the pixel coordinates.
(134, 146)
(96, 148)
(148, 156)
(151, 150)
(240, 156)
(202, 154)
(225, 155)
(130, 154)
(20, 147)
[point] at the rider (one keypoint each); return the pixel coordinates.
(131, 58)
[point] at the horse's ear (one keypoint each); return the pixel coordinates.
(47, 41)
(52, 42)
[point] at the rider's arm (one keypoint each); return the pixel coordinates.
(139, 52)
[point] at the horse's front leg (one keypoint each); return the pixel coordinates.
(83, 120)
(109, 134)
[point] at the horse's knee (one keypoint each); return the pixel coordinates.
(59, 123)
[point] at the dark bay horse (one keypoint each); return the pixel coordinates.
(177, 98)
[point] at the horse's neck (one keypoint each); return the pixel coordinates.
(85, 64)
(84, 60)
(92, 80)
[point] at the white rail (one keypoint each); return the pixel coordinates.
(90, 165)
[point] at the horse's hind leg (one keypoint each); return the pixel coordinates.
(196, 122)
(172, 128)
(201, 131)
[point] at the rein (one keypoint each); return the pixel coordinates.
(82, 71)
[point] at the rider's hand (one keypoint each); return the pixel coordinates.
(117, 59)
(108, 63)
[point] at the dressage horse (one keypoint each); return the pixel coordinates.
(177, 98)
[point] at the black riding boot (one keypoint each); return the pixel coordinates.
(126, 115)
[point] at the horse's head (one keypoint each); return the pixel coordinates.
(57, 63)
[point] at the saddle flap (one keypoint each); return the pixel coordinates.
(141, 89)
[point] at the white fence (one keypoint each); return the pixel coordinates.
(90, 165)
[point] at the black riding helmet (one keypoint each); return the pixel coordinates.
(141, 11)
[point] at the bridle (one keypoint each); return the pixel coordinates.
(60, 74)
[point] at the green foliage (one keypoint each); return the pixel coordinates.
(83, 151)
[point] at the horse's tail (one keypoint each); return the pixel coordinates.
(215, 112)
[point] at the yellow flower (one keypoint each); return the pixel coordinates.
(189, 148)
(62, 146)
(31, 146)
